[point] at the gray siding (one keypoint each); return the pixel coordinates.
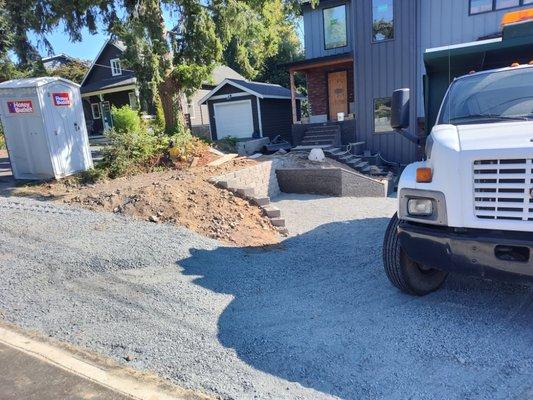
(447, 22)
(380, 68)
(101, 71)
(276, 117)
(314, 30)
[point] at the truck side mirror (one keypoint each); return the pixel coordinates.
(400, 109)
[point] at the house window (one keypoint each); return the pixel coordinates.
(134, 104)
(382, 20)
(95, 109)
(116, 68)
(382, 115)
(335, 32)
(481, 6)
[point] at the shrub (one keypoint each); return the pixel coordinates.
(2, 138)
(184, 145)
(130, 151)
(228, 144)
(125, 119)
(92, 175)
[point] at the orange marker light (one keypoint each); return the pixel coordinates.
(517, 16)
(424, 175)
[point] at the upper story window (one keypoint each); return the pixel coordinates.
(382, 20)
(335, 30)
(116, 68)
(481, 6)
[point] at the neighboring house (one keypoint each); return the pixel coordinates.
(357, 52)
(246, 109)
(198, 114)
(108, 84)
(56, 61)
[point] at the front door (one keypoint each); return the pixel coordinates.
(337, 94)
(107, 120)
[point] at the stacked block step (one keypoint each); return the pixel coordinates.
(322, 136)
(354, 162)
(273, 213)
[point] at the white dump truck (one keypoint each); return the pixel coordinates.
(468, 206)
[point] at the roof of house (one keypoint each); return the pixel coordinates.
(258, 89)
(222, 72)
(117, 43)
(103, 85)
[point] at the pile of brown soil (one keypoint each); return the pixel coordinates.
(183, 197)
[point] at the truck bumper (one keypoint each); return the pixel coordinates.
(490, 254)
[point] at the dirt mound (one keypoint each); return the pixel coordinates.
(183, 197)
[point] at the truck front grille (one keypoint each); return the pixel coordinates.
(503, 189)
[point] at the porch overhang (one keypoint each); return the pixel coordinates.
(319, 62)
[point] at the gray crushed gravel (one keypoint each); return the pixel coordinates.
(313, 318)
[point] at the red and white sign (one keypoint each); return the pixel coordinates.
(61, 99)
(20, 107)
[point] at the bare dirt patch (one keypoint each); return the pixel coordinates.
(182, 197)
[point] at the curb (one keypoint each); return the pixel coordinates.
(113, 380)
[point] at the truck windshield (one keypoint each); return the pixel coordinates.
(490, 97)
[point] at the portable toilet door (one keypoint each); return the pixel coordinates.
(25, 134)
(69, 143)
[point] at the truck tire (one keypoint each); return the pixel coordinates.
(405, 274)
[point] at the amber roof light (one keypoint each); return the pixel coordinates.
(517, 16)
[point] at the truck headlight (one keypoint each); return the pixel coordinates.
(420, 207)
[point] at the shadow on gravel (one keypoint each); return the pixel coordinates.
(319, 310)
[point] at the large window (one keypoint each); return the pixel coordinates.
(335, 33)
(382, 20)
(382, 114)
(481, 6)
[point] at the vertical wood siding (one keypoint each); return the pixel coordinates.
(380, 68)
(447, 22)
(314, 30)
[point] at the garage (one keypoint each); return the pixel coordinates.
(245, 109)
(234, 119)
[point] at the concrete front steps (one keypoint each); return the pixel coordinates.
(320, 136)
(356, 162)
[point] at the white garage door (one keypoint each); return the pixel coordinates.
(234, 119)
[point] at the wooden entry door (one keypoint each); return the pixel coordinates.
(337, 94)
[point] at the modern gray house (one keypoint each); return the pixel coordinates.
(357, 52)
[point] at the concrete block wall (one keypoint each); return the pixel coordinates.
(261, 178)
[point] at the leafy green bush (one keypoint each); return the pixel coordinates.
(2, 139)
(125, 119)
(92, 175)
(227, 145)
(132, 148)
(184, 145)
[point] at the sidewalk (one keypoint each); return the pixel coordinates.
(23, 376)
(32, 369)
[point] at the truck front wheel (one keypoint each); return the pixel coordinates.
(407, 275)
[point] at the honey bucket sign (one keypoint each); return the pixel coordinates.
(61, 99)
(20, 107)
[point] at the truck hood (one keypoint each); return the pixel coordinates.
(498, 135)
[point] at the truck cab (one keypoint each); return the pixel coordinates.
(467, 207)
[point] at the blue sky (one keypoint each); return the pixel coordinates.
(90, 45)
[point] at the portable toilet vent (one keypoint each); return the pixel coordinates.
(44, 128)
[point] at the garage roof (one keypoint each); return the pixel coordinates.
(258, 89)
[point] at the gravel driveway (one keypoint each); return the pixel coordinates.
(311, 318)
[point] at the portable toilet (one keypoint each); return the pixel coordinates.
(44, 128)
